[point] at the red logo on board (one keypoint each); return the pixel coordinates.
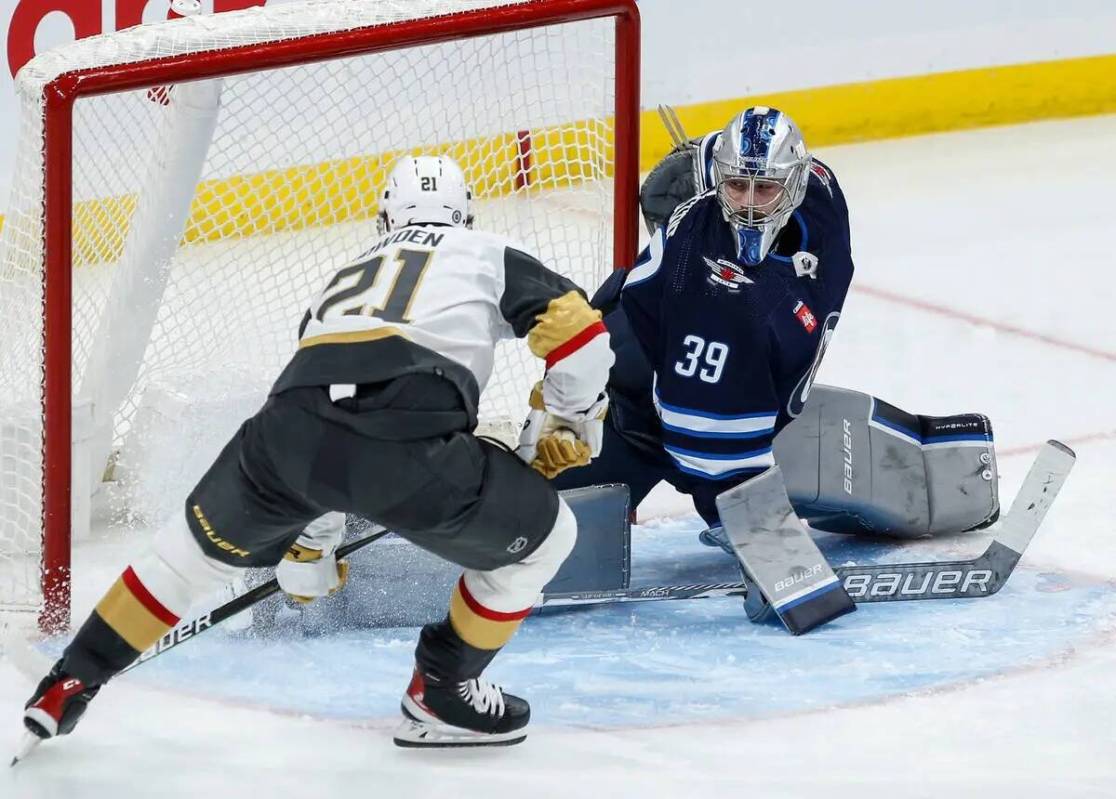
(85, 17)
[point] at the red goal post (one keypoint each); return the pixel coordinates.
(60, 93)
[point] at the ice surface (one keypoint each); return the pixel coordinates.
(625, 666)
(984, 282)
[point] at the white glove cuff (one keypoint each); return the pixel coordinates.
(573, 384)
(324, 533)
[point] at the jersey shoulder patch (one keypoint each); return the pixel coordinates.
(820, 172)
(681, 211)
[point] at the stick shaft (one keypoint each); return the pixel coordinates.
(195, 627)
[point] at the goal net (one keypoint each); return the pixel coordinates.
(183, 189)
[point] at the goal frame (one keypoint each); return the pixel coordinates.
(60, 95)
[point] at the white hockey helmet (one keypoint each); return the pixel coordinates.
(425, 189)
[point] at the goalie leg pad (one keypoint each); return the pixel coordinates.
(601, 558)
(397, 584)
(856, 464)
(779, 556)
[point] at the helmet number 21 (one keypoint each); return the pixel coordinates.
(707, 361)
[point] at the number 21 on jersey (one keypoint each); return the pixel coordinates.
(706, 360)
(355, 285)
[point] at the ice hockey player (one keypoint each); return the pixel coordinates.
(725, 316)
(374, 415)
(719, 330)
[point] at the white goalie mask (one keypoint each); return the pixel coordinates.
(425, 189)
(761, 168)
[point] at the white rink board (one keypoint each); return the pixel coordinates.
(732, 49)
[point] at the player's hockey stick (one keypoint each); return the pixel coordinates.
(33, 664)
(896, 582)
(207, 621)
(195, 627)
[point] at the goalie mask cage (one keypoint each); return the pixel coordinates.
(183, 189)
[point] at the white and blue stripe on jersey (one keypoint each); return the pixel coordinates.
(649, 261)
(716, 445)
(719, 466)
(702, 424)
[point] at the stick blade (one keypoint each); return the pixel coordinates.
(1039, 490)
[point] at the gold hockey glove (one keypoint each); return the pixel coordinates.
(550, 444)
(306, 574)
(309, 569)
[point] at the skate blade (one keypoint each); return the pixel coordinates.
(422, 735)
(27, 745)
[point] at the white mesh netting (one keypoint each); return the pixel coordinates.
(194, 254)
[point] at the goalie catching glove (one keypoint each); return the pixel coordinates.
(310, 569)
(550, 444)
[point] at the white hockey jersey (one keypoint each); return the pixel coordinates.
(425, 295)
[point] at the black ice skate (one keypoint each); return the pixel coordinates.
(470, 713)
(57, 704)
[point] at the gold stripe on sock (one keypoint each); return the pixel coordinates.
(129, 618)
(475, 629)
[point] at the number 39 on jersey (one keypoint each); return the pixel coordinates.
(704, 359)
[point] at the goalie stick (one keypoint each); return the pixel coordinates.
(896, 582)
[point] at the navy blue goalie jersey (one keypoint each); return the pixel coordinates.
(714, 357)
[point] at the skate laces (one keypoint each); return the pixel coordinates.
(484, 696)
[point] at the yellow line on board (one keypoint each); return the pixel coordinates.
(346, 190)
(884, 109)
(562, 156)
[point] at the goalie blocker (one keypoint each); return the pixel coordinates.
(779, 557)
